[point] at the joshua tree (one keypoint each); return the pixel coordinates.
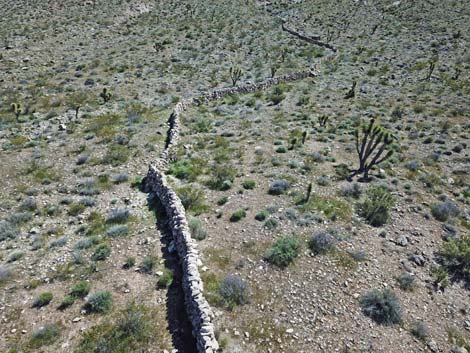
(351, 92)
(105, 95)
(235, 74)
(432, 66)
(309, 192)
(371, 143)
(322, 119)
(304, 136)
(274, 68)
(16, 108)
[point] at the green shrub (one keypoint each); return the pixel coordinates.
(261, 216)
(271, 223)
(130, 262)
(192, 199)
(44, 336)
(249, 184)
(99, 302)
(283, 252)
(382, 306)
(222, 176)
(238, 215)
(101, 252)
(166, 279)
(222, 201)
(42, 300)
(66, 302)
(455, 257)
(80, 289)
(376, 205)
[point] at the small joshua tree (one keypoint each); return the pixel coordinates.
(16, 108)
(235, 75)
(105, 95)
(274, 68)
(352, 92)
(322, 119)
(371, 143)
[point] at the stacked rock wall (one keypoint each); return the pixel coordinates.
(199, 311)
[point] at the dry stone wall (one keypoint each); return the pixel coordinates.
(197, 307)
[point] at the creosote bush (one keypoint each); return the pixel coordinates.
(322, 243)
(445, 210)
(99, 302)
(376, 205)
(279, 187)
(233, 291)
(101, 252)
(455, 258)
(80, 289)
(44, 336)
(196, 228)
(382, 306)
(283, 252)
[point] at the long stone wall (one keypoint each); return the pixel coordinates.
(197, 307)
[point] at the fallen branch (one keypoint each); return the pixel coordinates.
(313, 40)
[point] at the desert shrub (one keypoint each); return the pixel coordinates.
(42, 300)
(87, 201)
(101, 252)
(283, 252)
(117, 230)
(120, 178)
(351, 190)
(406, 281)
(276, 96)
(66, 302)
(323, 180)
(281, 149)
(7, 230)
(271, 223)
(382, 306)
(279, 187)
(444, 210)
(238, 215)
(166, 279)
(233, 291)
(80, 289)
(87, 242)
(15, 256)
(135, 329)
(118, 215)
(5, 273)
(116, 155)
(44, 336)
(18, 218)
(321, 243)
(222, 201)
(455, 257)
(188, 169)
(376, 205)
(75, 209)
(222, 176)
(197, 230)
(29, 204)
(148, 263)
(130, 262)
(192, 199)
(99, 302)
(82, 159)
(249, 184)
(420, 330)
(87, 187)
